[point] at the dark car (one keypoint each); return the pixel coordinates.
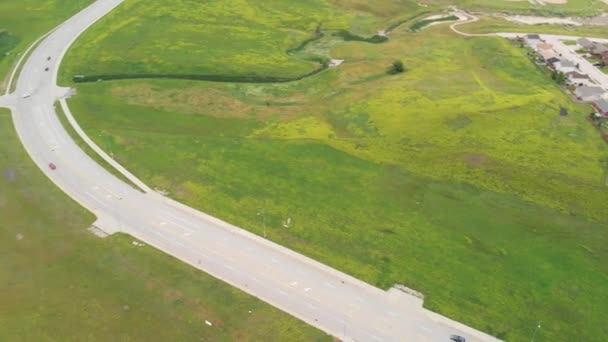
(457, 338)
(46, 69)
(52, 166)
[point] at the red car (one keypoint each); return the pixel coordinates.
(52, 166)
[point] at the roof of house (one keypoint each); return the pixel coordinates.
(566, 64)
(552, 60)
(598, 48)
(547, 54)
(584, 42)
(602, 104)
(574, 74)
(585, 91)
(533, 36)
(544, 46)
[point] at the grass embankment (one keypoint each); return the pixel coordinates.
(60, 282)
(458, 178)
(426, 22)
(23, 21)
(225, 41)
(496, 24)
(107, 141)
(570, 8)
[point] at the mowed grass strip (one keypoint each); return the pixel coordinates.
(458, 178)
(548, 8)
(23, 21)
(495, 24)
(60, 282)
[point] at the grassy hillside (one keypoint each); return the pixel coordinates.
(22, 21)
(60, 282)
(220, 38)
(457, 178)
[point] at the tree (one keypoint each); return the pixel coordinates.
(560, 78)
(397, 67)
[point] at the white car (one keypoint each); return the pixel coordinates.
(26, 95)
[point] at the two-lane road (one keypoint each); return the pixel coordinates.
(330, 300)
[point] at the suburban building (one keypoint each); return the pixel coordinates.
(543, 46)
(545, 50)
(532, 40)
(565, 66)
(584, 43)
(587, 93)
(601, 106)
(598, 49)
(547, 54)
(578, 79)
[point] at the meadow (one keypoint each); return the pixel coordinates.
(457, 178)
(241, 38)
(23, 21)
(60, 282)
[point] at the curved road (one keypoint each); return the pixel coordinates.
(327, 299)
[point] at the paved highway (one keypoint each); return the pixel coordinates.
(330, 300)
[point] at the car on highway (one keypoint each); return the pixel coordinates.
(46, 69)
(26, 95)
(457, 338)
(52, 166)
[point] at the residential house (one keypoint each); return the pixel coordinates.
(601, 106)
(584, 43)
(532, 40)
(598, 49)
(587, 93)
(578, 79)
(545, 50)
(543, 46)
(547, 54)
(565, 66)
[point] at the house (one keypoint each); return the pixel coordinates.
(547, 54)
(578, 79)
(598, 49)
(532, 40)
(545, 50)
(565, 66)
(601, 106)
(551, 61)
(586, 93)
(543, 46)
(584, 43)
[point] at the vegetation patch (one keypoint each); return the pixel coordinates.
(426, 22)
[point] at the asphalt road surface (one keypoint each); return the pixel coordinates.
(329, 300)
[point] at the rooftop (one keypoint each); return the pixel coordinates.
(602, 104)
(586, 91)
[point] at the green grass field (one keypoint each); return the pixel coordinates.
(220, 37)
(457, 178)
(59, 282)
(23, 21)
